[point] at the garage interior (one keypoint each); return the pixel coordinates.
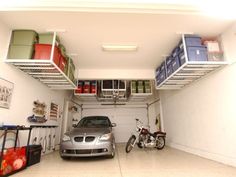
(198, 116)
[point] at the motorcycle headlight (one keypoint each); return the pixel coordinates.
(66, 138)
(105, 137)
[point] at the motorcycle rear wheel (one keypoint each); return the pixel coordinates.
(160, 142)
(130, 144)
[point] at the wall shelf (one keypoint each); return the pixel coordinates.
(189, 72)
(45, 70)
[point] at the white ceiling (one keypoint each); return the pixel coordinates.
(154, 33)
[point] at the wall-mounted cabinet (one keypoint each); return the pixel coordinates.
(191, 59)
(42, 57)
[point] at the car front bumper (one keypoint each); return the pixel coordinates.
(70, 149)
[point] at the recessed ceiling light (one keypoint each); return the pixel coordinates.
(118, 47)
(184, 32)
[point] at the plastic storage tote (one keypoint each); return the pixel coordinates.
(20, 52)
(182, 58)
(192, 40)
(197, 53)
(34, 154)
(175, 63)
(93, 85)
(43, 52)
(140, 86)
(79, 87)
(86, 87)
(134, 87)
(62, 49)
(161, 77)
(47, 38)
(63, 63)
(24, 37)
(147, 87)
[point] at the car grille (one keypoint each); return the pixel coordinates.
(89, 139)
(79, 139)
(85, 151)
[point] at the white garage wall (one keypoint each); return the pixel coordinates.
(123, 116)
(26, 90)
(201, 117)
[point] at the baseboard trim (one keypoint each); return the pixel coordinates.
(208, 155)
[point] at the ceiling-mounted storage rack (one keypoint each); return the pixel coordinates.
(188, 70)
(45, 70)
(140, 90)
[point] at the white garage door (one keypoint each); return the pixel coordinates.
(124, 118)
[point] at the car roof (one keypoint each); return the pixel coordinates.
(88, 117)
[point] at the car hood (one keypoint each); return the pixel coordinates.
(89, 131)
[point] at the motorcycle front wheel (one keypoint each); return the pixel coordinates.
(160, 142)
(130, 144)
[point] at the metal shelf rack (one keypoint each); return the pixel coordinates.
(189, 72)
(46, 71)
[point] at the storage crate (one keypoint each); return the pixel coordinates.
(62, 49)
(86, 87)
(147, 86)
(169, 70)
(197, 53)
(79, 88)
(47, 38)
(140, 88)
(70, 69)
(215, 56)
(133, 86)
(34, 154)
(168, 61)
(182, 58)
(93, 85)
(193, 40)
(161, 77)
(43, 52)
(175, 51)
(63, 62)
(20, 52)
(24, 37)
(163, 66)
(158, 70)
(175, 63)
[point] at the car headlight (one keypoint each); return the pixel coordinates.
(105, 137)
(66, 138)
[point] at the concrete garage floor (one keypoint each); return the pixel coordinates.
(138, 163)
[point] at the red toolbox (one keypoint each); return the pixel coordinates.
(79, 87)
(43, 52)
(13, 159)
(86, 87)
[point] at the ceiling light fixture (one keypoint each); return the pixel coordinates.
(115, 47)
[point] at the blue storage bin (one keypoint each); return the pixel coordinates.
(175, 63)
(175, 51)
(192, 40)
(197, 53)
(181, 45)
(169, 70)
(161, 77)
(163, 66)
(158, 70)
(182, 58)
(168, 61)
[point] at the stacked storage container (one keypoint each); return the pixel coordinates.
(133, 86)
(44, 47)
(147, 87)
(70, 69)
(86, 87)
(161, 73)
(22, 44)
(79, 87)
(93, 87)
(140, 86)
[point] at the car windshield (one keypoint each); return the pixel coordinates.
(94, 122)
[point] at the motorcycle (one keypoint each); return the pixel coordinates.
(145, 138)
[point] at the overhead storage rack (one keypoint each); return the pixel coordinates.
(188, 62)
(189, 72)
(45, 70)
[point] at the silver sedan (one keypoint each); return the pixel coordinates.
(92, 136)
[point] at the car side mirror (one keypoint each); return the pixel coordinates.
(113, 124)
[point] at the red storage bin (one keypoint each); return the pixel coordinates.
(13, 159)
(79, 87)
(43, 52)
(86, 87)
(62, 63)
(93, 89)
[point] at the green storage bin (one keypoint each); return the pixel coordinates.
(70, 69)
(63, 50)
(24, 37)
(20, 52)
(140, 83)
(134, 86)
(47, 38)
(140, 89)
